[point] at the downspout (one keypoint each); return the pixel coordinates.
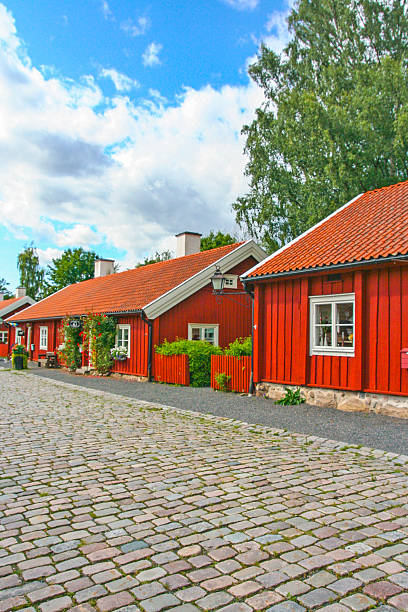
(251, 377)
(149, 344)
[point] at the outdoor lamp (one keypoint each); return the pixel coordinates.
(218, 280)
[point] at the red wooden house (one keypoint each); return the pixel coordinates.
(331, 308)
(9, 334)
(152, 303)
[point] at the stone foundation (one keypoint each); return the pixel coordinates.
(349, 401)
(128, 377)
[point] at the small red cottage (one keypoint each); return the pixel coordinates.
(152, 303)
(331, 308)
(9, 334)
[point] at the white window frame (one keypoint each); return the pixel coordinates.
(335, 351)
(122, 326)
(18, 338)
(42, 346)
(4, 336)
(202, 327)
(231, 281)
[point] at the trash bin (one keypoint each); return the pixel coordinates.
(18, 362)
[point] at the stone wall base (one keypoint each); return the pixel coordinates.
(349, 401)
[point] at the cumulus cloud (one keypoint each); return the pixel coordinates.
(121, 81)
(47, 255)
(137, 28)
(78, 169)
(106, 11)
(243, 5)
(277, 27)
(151, 56)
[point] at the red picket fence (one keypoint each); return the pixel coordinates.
(239, 368)
(172, 369)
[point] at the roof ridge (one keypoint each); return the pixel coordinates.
(385, 187)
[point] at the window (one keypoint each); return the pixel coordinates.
(3, 337)
(19, 335)
(43, 338)
(123, 337)
(199, 331)
(230, 281)
(332, 324)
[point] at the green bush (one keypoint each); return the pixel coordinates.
(199, 358)
(19, 350)
(240, 347)
(223, 381)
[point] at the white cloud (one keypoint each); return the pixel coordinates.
(243, 5)
(109, 171)
(47, 255)
(121, 81)
(277, 27)
(151, 56)
(107, 13)
(135, 29)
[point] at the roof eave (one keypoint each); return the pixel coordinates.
(351, 264)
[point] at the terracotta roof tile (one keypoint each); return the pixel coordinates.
(6, 303)
(372, 226)
(126, 291)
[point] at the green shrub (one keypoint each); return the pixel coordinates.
(291, 398)
(19, 350)
(240, 347)
(199, 358)
(223, 380)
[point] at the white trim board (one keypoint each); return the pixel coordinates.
(289, 244)
(201, 279)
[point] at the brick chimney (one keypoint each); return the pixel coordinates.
(21, 292)
(104, 267)
(188, 243)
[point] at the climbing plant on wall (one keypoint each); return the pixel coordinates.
(98, 334)
(69, 353)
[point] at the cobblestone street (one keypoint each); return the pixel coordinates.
(111, 503)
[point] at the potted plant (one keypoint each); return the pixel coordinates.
(119, 353)
(19, 357)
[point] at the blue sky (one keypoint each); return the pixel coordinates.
(121, 121)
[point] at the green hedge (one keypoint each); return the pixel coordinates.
(199, 358)
(240, 347)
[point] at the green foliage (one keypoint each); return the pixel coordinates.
(100, 330)
(335, 118)
(73, 266)
(70, 354)
(240, 347)
(291, 398)
(214, 240)
(163, 256)
(31, 274)
(199, 358)
(4, 289)
(19, 351)
(223, 380)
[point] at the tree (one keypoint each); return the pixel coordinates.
(31, 274)
(73, 266)
(4, 289)
(335, 116)
(163, 256)
(214, 240)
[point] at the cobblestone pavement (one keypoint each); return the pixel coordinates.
(109, 503)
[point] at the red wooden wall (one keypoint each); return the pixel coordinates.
(281, 346)
(233, 314)
(136, 364)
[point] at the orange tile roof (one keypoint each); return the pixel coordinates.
(126, 291)
(5, 303)
(372, 226)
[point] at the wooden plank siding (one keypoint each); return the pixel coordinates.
(136, 364)
(238, 368)
(282, 352)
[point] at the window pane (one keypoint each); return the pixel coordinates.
(196, 333)
(323, 335)
(345, 335)
(323, 314)
(344, 313)
(209, 335)
(126, 334)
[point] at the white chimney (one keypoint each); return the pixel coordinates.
(188, 243)
(104, 267)
(21, 292)
(1, 297)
